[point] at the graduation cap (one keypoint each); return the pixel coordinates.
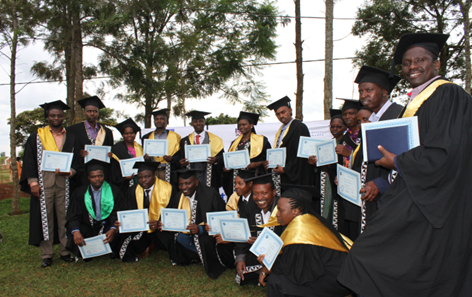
(285, 101)
(253, 118)
(94, 101)
(299, 192)
(163, 111)
(197, 115)
(143, 166)
(261, 179)
(350, 104)
(377, 76)
(95, 164)
(433, 42)
(336, 114)
(58, 104)
(246, 174)
(127, 123)
(187, 173)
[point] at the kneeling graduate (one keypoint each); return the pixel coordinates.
(312, 253)
(92, 209)
(153, 194)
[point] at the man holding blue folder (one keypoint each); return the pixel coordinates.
(419, 242)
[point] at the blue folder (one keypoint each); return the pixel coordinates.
(393, 139)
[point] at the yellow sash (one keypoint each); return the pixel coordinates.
(257, 143)
(100, 136)
(278, 133)
(184, 203)
(307, 229)
(216, 143)
(414, 105)
(233, 202)
(45, 135)
(272, 220)
(174, 144)
(160, 197)
(137, 148)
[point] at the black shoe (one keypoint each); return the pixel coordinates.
(67, 259)
(87, 260)
(114, 256)
(130, 259)
(46, 262)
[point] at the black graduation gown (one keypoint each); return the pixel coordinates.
(209, 200)
(134, 244)
(78, 217)
(229, 176)
(216, 168)
(30, 170)
(297, 170)
(79, 131)
(121, 151)
(419, 241)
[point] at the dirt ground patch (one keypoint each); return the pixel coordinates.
(6, 192)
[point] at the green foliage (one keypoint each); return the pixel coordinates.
(222, 119)
(385, 21)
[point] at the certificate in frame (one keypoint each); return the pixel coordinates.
(156, 147)
(197, 153)
(126, 166)
(97, 152)
(94, 247)
(234, 230)
(307, 146)
(349, 184)
(52, 160)
(174, 219)
(276, 156)
(214, 217)
(326, 153)
(269, 244)
(237, 159)
(133, 220)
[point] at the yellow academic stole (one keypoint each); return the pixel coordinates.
(184, 203)
(278, 134)
(174, 144)
(233, 202)
(257, 143)
(416, 103)
(216, 143)
(160, 197)
(45, 135)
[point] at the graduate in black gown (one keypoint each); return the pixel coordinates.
(297, 170)
(419, 241)
(196, 246)
(92, 209)
(257, 146)
(90, 132)
(312, 252)
(50, 191)
(243, 190)
(126, 149)
(209, 173)
(153, 194)
(260, 210)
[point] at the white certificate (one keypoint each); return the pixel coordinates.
(214, 217)
(97, 152)
(237, 159)
(234, 230)
(174, 219)
(126, 166)
(156, 147)
(276, 157)
(325, 153)
(94, 247)
(349, 184)
(197, 153)
(55, 160)
(269, 244)
(133, 220)
(307, 146)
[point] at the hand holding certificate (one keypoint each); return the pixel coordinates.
(276, 157)
(156, 147)
(237, 159)
(234, 230)
(133, 220)
(126, 166)
(214, 217)
(268, 244)
(174, 219)
(94, 247)
(55, 160)
(97, 152)
(349, 184)
(307, 146)
(197, 153)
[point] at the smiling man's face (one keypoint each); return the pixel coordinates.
(418, 66)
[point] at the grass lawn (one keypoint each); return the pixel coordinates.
(21, 274)
(4, 175)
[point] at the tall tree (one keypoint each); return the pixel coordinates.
(18, 20)
(328, 78)
(299, 61)
(465, 10)
(178, 50)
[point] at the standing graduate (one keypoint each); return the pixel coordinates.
(257, 146)
(50, 191)
(196, 245)
(352, 137)
(90, 132)
(153, 194)
(126, 149)
(297, 170)
(419, 241)
(167, 166)
(92, 209)
(209, 173)
(312, 252)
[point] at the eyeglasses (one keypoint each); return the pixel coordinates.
(334, 127)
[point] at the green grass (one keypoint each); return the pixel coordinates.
(21, 274)
(4, 175)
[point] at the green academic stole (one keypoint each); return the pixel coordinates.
(216, 143)
(307, 229)
(416, 103)
(160, 197)
(106, 202)
(174, 144)
(257, 143)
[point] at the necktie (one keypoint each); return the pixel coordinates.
(198, 139)
(146, 199)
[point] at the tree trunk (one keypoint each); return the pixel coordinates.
(328, 79)
(465, 8)
(69, 54)
(147, 110)
(15, 205)
(77, 47)
(299, 62)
